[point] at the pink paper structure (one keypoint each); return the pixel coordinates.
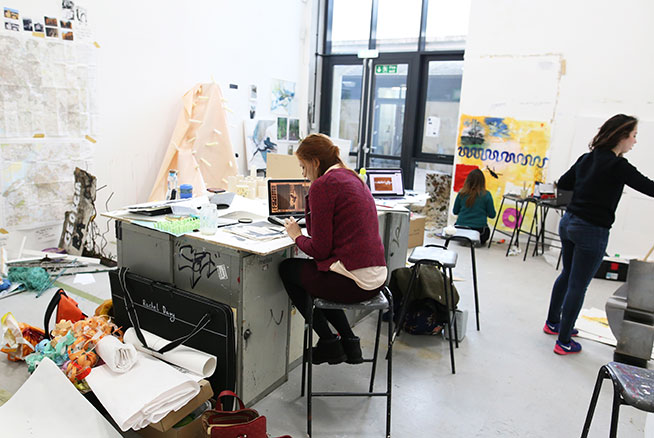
(200, 149)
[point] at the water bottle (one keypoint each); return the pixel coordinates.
(171, 190)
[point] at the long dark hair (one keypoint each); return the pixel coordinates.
(319, 147)
(612, 131)
(474, 186)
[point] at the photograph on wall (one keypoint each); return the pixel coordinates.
(283, 97)
(52, 32)
(49, 21)
(38, 27)
(294, 129)
(260, 139)
(27, 25)
(12, 14)
(282, 128)
(12, 26)
(511, 153)
(68, 36)
(65, 24)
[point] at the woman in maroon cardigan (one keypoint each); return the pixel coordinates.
(348, 264)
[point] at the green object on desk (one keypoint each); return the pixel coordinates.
(178, 227)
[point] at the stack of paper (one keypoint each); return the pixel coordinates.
(147, 393)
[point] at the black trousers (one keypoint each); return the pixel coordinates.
(302, 278)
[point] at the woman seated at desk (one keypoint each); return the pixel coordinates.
(348, 264)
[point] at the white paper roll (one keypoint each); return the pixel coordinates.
(119, 357)
(196, 361)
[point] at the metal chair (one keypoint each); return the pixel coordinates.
(471, 238)
(444, 260)
(633, 386)
(383, 301)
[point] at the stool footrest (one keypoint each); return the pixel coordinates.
(349, 394)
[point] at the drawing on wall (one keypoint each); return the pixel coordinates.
(511, 153)
(283, 97)
(282, 128)
(294, 129)
(48, 119)
(260, 139)
(253, 101)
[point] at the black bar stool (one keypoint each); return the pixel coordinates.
(382, 302)
(444, 260)
(471, 238)
(633, 386)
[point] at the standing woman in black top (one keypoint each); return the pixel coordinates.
(597, 180)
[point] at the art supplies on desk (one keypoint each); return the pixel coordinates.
(261, 231)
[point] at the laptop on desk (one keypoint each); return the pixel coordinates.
(385, 183)
(286, 198)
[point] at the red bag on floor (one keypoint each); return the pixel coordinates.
(234, 424)
(66, 309)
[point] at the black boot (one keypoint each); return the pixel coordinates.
(328, 350)
(352, 349)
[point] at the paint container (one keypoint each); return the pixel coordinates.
(185, 191)
(242, 190)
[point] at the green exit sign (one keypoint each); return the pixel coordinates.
(386, 69)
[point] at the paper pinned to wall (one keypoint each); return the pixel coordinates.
(433, 127)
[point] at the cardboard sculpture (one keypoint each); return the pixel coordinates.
(200, 149)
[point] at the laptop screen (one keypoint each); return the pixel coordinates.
(286, 196)
(385, 182)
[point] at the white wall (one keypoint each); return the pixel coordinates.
(152, 51)
(602, 55)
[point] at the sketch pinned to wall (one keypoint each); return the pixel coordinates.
(294, 129)
(48, 120)
(260, 139)
(253, 101)
(76, 223)
(512, 153)
(283, 97)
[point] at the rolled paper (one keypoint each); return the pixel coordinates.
(196, 361)
(119, 357)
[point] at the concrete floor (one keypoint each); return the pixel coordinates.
(508, 383)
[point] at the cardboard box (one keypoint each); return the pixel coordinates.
(191, 430)
(416, 230)
(164, 428)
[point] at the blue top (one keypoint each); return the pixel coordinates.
(475, 216)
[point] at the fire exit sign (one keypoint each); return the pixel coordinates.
(386, 68)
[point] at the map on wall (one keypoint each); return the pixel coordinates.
(48, 124)
(511, 153)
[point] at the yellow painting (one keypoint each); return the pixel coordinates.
(511, 153)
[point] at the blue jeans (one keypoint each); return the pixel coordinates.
(582, 247)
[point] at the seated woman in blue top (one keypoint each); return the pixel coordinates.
(474, 205)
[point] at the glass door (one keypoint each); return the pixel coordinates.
(387, 114)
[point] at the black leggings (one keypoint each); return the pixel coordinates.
(301, 278)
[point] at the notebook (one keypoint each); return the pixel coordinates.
(385, 183)
(286, 198)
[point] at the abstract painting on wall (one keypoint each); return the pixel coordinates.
(283, 98)
(260, 138)
(511, 153)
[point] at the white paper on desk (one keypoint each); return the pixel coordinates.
(145, 394)
(196, 361)
(48, 405)
(84, 279)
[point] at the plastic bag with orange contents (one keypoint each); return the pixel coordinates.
(19, 339)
